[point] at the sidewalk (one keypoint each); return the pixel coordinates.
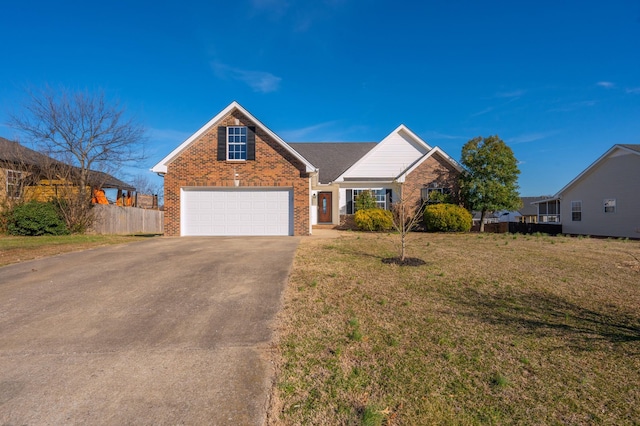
(318, 233)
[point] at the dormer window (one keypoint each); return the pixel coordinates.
(237, 143)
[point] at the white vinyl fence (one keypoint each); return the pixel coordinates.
(111, 219)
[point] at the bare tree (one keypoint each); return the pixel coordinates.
(143, 185)
(406, 216)
(146, 188)
(83, 131)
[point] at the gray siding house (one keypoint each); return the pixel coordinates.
(603, 200)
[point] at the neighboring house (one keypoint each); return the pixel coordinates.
(25, 173)
(489, 217)
(529, 210)
(234, 176)
(528, 213)
(603, 200)
(508, 216)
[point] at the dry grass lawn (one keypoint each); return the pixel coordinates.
(20, 249)
(494, 329)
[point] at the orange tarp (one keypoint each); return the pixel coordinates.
(99, 197)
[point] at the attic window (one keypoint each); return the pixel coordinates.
(236, 143)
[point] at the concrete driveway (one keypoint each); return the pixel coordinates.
(165, 331)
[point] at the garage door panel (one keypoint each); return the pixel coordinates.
(237, 212)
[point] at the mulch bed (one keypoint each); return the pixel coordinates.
(408, 261)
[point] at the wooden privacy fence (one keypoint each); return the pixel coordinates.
(520, 228)
(532, 228)
(111, 219)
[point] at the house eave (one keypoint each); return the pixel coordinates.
(161, 166)
(361, 180)
(546, 200)
(593, 165)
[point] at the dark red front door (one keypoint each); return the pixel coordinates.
(324, 207)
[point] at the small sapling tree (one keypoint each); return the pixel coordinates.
(407, 213)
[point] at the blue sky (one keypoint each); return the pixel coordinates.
(558, 81)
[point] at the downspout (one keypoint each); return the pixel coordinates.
(309, 202)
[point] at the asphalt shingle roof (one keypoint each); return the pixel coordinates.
(13, 152)
(19, 155)
(332, 158)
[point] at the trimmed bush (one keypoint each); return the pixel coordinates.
(447, 218)
(374, 220)
(35, 218)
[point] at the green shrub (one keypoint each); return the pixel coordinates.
(374, 220)
(35, 218)
(447, 218)
(365, 201)
(436, 197)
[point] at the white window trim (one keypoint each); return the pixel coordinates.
(380, 203)
(441, 189)
(609, 203)
(576, 203)
(241, 143)
(13, 183)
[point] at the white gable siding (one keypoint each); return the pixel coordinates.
(389, 159)
(616, 177)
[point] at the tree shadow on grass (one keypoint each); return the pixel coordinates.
(544, 315)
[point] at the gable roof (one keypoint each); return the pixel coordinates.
(394, 162)
(402, 176)
(14, 153)
(625, 148)
(332, 158)
(161, 167)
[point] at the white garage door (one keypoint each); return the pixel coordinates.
(236, 211)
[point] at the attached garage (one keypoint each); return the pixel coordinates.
(236, 211)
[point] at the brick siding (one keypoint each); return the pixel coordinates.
(198, 165)
(434, 169)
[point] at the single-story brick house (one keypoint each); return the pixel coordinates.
(235, 176)
(26, 174)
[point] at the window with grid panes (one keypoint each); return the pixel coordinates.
(236, 143)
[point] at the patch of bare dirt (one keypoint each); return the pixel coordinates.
(408, 261)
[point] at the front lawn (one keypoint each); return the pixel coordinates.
(20, 249)
(494, 329)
